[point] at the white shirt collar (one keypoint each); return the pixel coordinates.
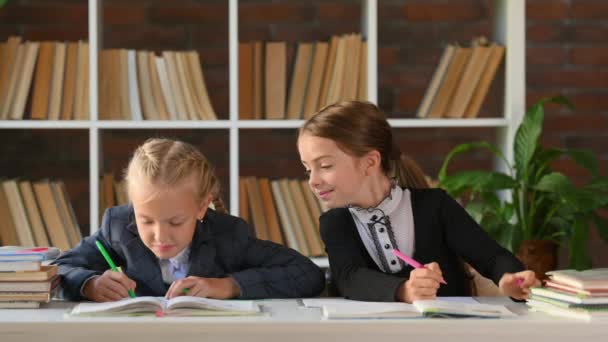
(388, 205)
(181, 258)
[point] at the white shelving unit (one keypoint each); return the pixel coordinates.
(509, 29)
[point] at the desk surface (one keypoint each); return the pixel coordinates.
(287, 320)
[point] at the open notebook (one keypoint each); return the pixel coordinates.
(444, 307)
(178, 306)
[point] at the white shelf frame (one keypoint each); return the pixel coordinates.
(509, 30)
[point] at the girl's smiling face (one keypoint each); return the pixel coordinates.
(334, 176)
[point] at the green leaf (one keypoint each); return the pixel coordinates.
(528, 133)
(599, 184)
(579, 259)
(476, 182)
(585, 159)
(526, 139)
(509, 237)
(462, 148)
(554, 182)
(3, 2)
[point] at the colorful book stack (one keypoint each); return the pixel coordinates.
(571, 293)
(24, 281)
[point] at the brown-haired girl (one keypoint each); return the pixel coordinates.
(169, 242)
(378, 202)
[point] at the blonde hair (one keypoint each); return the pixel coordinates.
(166, 162)
(360, 127)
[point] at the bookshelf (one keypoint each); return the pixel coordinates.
(508, 30)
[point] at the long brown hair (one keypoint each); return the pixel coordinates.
(167, 162)
(360, 127)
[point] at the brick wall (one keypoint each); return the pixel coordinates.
(566, 53)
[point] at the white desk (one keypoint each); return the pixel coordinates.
(287, 321)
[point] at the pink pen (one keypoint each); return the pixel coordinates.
(411, 262)
(519, 281)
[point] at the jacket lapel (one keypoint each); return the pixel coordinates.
(144, 268)
(202, 261)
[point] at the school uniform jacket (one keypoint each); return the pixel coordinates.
(221, 246)
(443, 231)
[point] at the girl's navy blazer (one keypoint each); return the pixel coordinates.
(221, 246)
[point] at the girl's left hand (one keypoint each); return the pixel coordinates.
(517, 285)
(217, 288)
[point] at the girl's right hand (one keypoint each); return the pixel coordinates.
(108, 287)
(423, 284)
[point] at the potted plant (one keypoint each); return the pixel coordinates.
(532, 209)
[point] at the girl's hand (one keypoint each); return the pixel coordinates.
(108, 287)
(517, 285)
(423, 284)
(218, 288)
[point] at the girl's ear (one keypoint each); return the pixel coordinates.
(204, 206)
(372, 160)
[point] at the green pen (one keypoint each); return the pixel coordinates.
(111, 263)
(185, 290)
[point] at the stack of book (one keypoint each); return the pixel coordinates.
(24, 281)
(37, 214)
(461, 81)
(322, 73)
(571, 293)
(50, 81)
(284, 211)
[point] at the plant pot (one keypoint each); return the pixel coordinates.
(539, 256)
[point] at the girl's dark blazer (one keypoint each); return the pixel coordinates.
(221, 246)
(443, 233)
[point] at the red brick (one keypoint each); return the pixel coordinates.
(583, 32)
(465, 32)
(545, 33)
(423, 57)
(123, 15)
(546, 10)
(250, 32)
(339, 11)
(545, 56)
(435, 11)
(595, 56)
(589, 9)
(40, 14)
(71, 33)
(192, 14)
(387, 56)
(205, 36)
(588, 79)
(274, 13)
(592, 101)
(409, 100)
(309, 32)
(577, 123)
(149, 37)
(406, 78)
(213, 57)
(413, 35)
(389, 12)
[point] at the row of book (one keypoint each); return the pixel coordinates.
(461, 81)
(284, 211)
(57, 73)
(111, 192)
(322, 73)
(26, 278)
(37, 214)
(571, 293)
(139, 85)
